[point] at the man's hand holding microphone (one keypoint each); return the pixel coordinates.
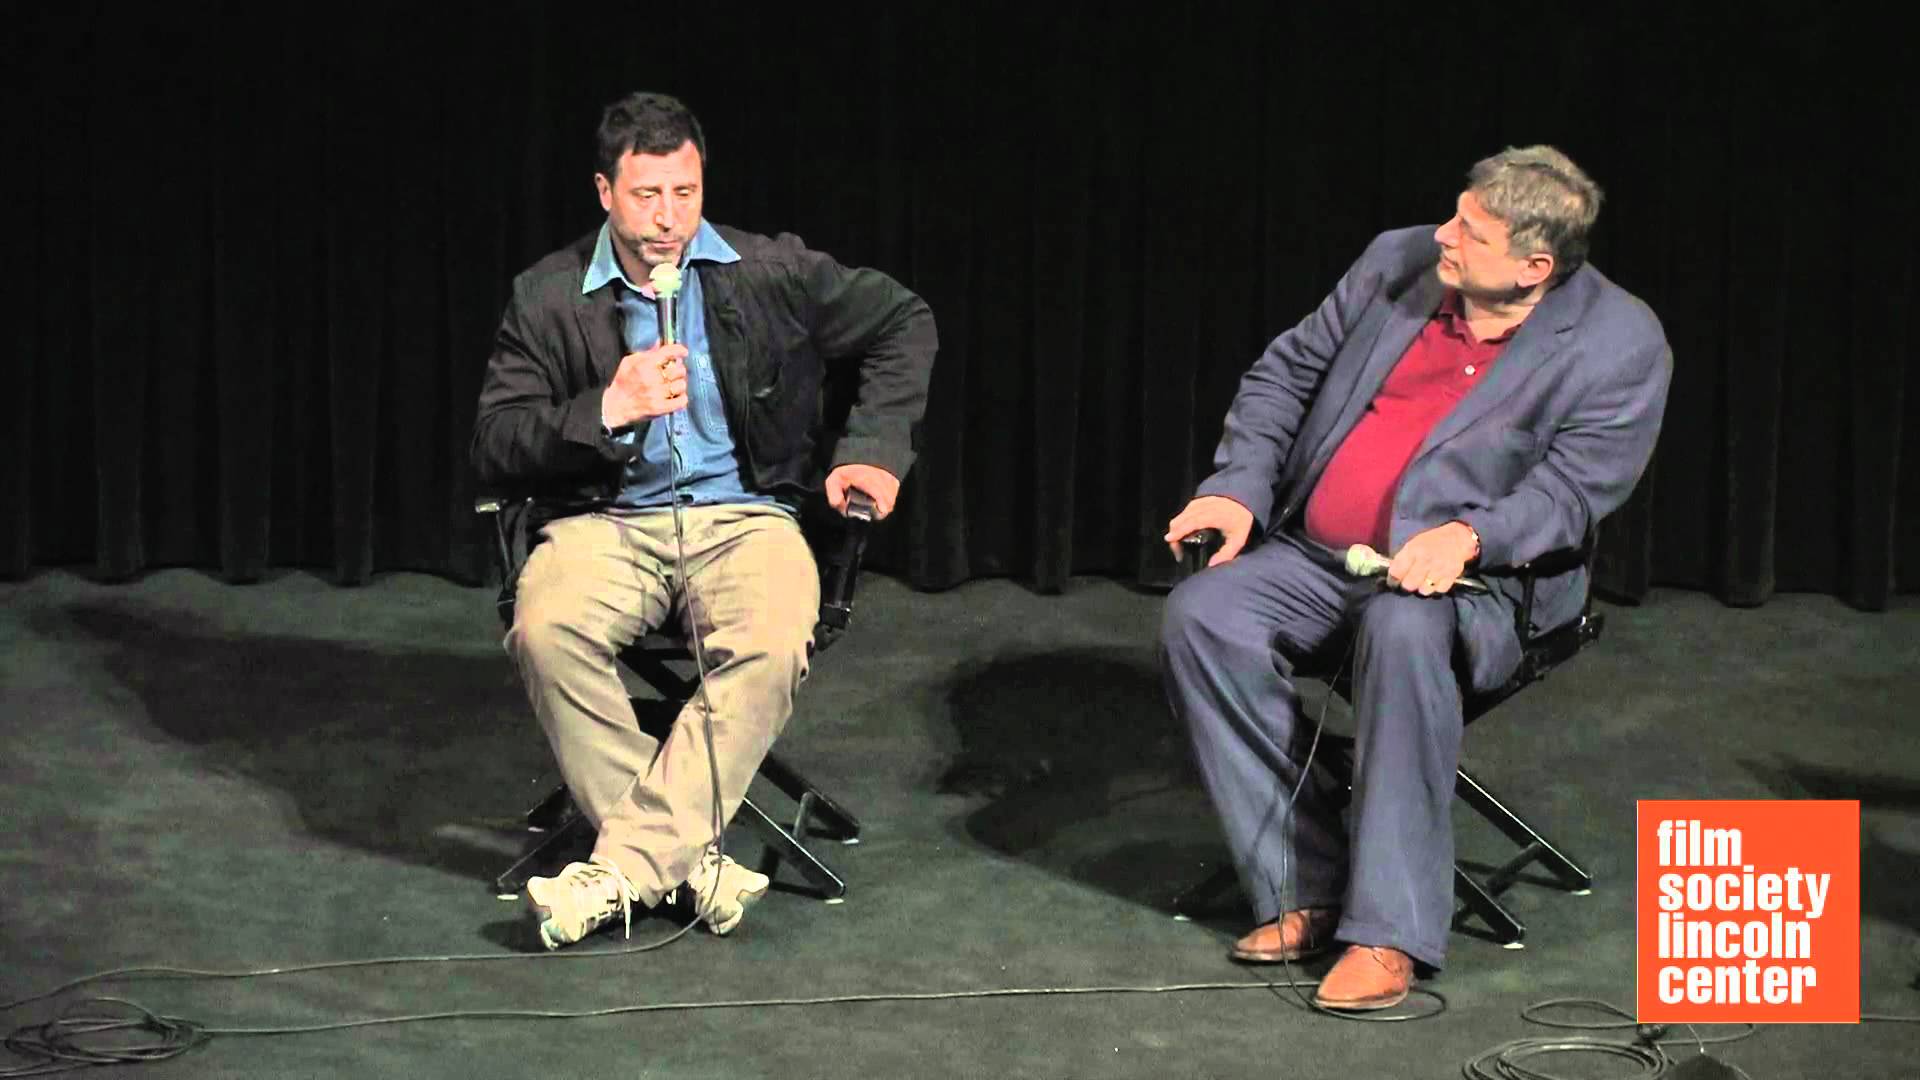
(648, 384)
(1430, 564)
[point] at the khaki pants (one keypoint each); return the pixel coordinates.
(596, 584)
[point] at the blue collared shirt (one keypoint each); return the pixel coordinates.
(707, 470)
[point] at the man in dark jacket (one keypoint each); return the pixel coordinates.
(683, 451)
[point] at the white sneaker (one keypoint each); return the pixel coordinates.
(722, 889)
(579, 900)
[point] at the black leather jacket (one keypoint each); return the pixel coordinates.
(775, 320)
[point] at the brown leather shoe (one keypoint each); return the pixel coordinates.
(1293, 936)
(1366, 977)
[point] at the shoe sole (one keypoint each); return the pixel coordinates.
(1362, 1004)
(1282, 956)
(542, 917)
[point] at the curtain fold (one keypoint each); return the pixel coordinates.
(258, 269)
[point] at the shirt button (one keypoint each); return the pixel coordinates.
(1469, 369)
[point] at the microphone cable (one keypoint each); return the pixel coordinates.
(68, 1042)
(1513, 1060)
(64, 1042)
(665, 278)
(667, 285)
(1283, 888)
(700, 905)
(72, 1039)
(105, 1030)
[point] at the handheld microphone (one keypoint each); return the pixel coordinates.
(1363, 561)
(666, 285)
(665, 278)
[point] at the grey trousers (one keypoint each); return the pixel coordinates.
(1230, 640)
(596, 584)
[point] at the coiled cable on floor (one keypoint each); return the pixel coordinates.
(1514, 1060)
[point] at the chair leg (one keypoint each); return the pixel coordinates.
(544, 853)
(815, 814)
(1196, 898)
(1477, 898)
(830, 819)
(1507, 930)
(552, 811)
(818, 814)
(1533, 847)
(1480, 897)
(782, 845)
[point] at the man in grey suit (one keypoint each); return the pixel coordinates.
(1468, 400)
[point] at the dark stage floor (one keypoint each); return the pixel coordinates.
(242, 777)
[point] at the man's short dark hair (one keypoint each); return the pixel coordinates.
(643, 123)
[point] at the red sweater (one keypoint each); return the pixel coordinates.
(1353, 501)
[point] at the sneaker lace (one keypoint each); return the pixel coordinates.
(598, 867)
(714, 863)
(705, 873)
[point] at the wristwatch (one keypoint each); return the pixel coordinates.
(1475, 533)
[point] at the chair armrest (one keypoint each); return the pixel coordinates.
(842, 573)
(513, 531)
(1196, 548)
(1551, 563)
(506, 515)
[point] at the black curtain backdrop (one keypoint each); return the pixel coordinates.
(257, 255)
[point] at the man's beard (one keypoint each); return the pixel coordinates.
(636, 246)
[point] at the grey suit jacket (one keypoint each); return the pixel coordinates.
(1533, 457)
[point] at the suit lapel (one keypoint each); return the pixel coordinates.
(599, 320)
(726, 341)
(1408, 313)
(1537, 339)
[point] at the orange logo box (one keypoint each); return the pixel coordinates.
(1748, 912)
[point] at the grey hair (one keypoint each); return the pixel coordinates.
(1547, 203)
